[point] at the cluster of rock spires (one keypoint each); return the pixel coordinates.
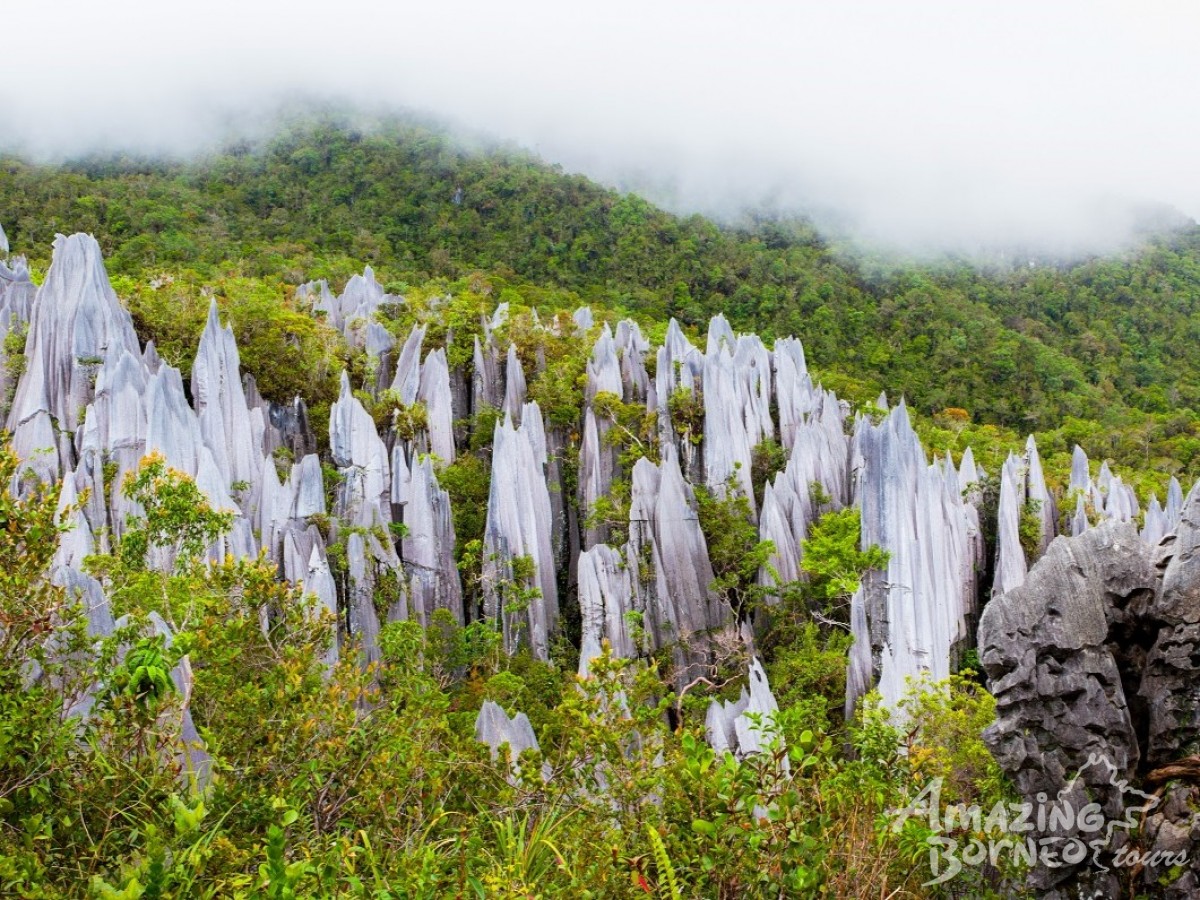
(91, 402)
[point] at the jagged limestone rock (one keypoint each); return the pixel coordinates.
(632, 349)
(517, 537)
(1039, 497)
(678, 366)
(794, 390)
(220, 404)
(514, 385)
(76, 324)
(747, 725)
(1010, 555)
(1050, 648)
(907, 619)
(666, 540)
(408, 367)
(494, 728)
(583, 318)
(364, 496)
(434, 392)
(1154, 528)
(372, 566)
(1172, 668)
(427, 548)
(607, 592)
(1174, 508)
(485, 378)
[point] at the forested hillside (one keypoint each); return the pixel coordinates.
(1098, 352)
(294, 550)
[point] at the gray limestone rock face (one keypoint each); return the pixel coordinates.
(1172, 669)
(408, 367)
(1050, 648)
(674, 569)
(1154, 528)
(303, 561)
(907, 620)
(427, 549)
(520, 585)
(1010, 555)
(632, 349)
(1039, 497)
(514, 385)
(485, 377)
(75, 325)
(220, 403)
(364, 496)
(747, 725)
(678, 366)
(794, 389)
(285, 425)
(583, 318)
(607, 591)
(494, 727)
(369, 562)
(434, 392)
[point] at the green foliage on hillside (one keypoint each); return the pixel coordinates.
(1098, 351)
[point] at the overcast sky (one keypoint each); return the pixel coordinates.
(948, 122)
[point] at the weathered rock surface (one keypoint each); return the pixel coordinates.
(520, 587)
(1052, 649)
(494, 727)
(907, 620)
(747, 725)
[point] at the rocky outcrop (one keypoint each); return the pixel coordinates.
(520, 587)
(427, 547)
(1059, 651)
(680, 607)
(76, 326)
(908, 619)
(747, 725)
(494, 727)
(608, 593)
(364, 494)
(1011, 566)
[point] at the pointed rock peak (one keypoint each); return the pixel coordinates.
(151, 358)
(1080, 470)
(345, 392)
(214, 317)
(882, 401)
(583, 318)
(3, 242)
(967, 473)
(720, 333)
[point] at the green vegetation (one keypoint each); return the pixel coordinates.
(369, 784)
(338, 782)
(1095, 352)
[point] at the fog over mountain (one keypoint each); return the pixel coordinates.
(923, 124)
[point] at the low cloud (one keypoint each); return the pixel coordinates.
(923, 125)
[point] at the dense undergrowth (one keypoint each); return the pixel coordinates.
(350, 783)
